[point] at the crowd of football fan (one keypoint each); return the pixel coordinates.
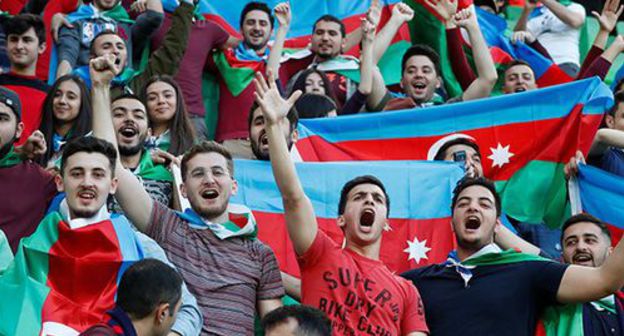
(97, 149)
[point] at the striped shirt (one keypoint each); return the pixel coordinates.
(227, 277)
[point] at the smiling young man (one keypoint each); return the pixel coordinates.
(212, 244)
(101, 15)
(163, 61)
(257, 23)
(358, 292)
(25, 42)
(422, 74)
(466, 290)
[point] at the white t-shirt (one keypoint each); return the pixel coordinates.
(560, 40)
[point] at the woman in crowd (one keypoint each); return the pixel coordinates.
(172, 130)
(66, 115)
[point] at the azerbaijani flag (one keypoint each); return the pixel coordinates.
(525, 140)
(601, 194)
(63, 280)
(420, 206)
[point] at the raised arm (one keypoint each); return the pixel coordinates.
(446, 10)
(584, 284)
(529, 6)
(401, 13)
(565, 14)
(131, 195)
(506, 239)
(605, 138)
(486, 71)
(166, 59)
(300, 219)
(283, 15)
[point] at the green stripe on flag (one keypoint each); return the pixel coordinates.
(426, 29)
(536, 193)
(236, 78)
(24, 282)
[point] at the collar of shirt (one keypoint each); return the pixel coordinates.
(77, 223)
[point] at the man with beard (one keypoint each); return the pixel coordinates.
(258, 134)
(586, 241)
(105, 15)
(466, 290)
(27, 188)
(25, 42)
(131, 126)
(212, 244)
(81, 250)
(359, 294)
(464, 149)
(236, 94)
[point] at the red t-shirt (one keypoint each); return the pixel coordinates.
(359, 295)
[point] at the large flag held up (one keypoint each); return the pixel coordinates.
(525, 140)
(63, 280)
(602, 195)
(419, 231)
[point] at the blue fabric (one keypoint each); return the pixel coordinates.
(417, 189)
(602, 195)
(611, 161)
(599, 323)
(247, 54)
(547, 239)
(555, 102)
(120, 319)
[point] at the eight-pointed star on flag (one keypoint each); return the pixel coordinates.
(417, 250)
(500, 155)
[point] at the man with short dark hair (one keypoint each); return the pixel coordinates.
(81, 248)
(326, 53)
(209, 242)
(258, 135)
(465, 291)
(386, 303)
(25, 42)
(103, 15)
(257, 23)
(421, 72)
(163, 61)
(130, 121)
(31, 188)
(148, 301)
(296, 320)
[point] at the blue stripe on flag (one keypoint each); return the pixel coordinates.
(417, 189)
(548, 103)
(602, 194)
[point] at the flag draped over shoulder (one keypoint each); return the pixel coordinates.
(602, 195)
(63, 280)
(525, 140)
(419, 231)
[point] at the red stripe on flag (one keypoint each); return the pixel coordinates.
(553, 76)
(272, 231)
(525, 140)
(82, 275)
(616, 234)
